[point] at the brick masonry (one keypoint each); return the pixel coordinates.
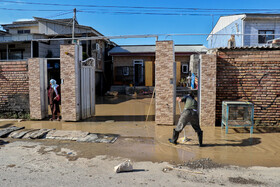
(250, 75)
(164, 90)
(35, 95)
(207, 90)
(70, 87)
(14, 94)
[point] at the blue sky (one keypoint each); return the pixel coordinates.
(110, 23)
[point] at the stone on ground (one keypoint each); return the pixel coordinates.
(124, 167)
(66, 135)
(99, 138)
(88, 138)
(40, 133)
(6, 131)
(20, 133)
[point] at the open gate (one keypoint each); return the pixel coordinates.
(87, 88)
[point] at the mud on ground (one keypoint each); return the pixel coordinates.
(68, 163)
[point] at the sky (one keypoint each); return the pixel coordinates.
(139, 17)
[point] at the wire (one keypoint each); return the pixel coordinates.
(139, 7)
(37, 10)
(146, 13)
(59, 14)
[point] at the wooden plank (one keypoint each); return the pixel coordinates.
(149, 73)
(178, 72)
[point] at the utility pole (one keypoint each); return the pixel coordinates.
(73, 28)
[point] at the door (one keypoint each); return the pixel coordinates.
(88, 88)
(149, 73)
(138, 72)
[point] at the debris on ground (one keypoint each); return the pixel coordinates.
(2, 142)
(40, 133)
(79, 136)
(241, 180)
(20, 133)
(124, 167)
(66, 135)
(111, 94)
(204, 163)
(5, 132)
(170, 168)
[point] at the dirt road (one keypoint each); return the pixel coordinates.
(54, 163)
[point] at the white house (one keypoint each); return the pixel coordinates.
(248, 29)
(42, 38)
(19, 37)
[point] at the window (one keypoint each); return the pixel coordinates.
(23, 31)
(185, 68)
(125, 71)
(265, 35)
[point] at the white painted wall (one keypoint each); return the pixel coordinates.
(252, 27)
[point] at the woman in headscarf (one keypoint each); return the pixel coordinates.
(54, 98)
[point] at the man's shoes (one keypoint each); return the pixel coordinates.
(175, 137)
(200, 138)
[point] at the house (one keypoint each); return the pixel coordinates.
(42, 38)
(134, 64)
(245, 29)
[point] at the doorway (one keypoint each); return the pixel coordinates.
(138, 72)
(53, 72)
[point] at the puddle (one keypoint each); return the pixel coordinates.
(145, 141)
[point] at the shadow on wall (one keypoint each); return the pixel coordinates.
(256, 82)
(1, 74)
(15, 106)
(227, 86)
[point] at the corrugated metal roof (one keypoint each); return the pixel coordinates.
(249, 47)
(66, 22)
(152, 49)
(3, 32)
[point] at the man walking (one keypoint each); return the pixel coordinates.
(189, 116)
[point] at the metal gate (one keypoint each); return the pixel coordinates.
(87, 88)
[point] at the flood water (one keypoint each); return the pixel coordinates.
(143, 140)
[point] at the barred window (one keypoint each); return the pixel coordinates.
(265, 35)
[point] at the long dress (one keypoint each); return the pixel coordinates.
(54, 103)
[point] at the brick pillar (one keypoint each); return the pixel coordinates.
(37, 88)
(164, 111)
(208, 89)
(70, 89)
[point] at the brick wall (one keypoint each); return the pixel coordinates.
(164, 90)
(70, 102)
(250, 75)
(207, 90)
(14, 87)
(38, 88)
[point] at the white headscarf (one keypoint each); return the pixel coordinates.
(54, 85)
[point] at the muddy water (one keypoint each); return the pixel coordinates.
(237, 147)
(145, 141)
